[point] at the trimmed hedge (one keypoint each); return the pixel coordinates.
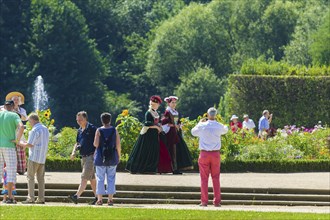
(276, 166)
(67, 165)
(272, 67)
(57, 164)
(302, 101)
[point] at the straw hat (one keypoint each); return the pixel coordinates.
(12, 94)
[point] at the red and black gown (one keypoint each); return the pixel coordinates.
(174, 137)
(149, 154)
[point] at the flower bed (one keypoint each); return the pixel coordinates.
(292, 149)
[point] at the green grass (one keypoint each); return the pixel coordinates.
(49, 212)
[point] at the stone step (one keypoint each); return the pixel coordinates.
(191, 189)
(191, 195)
(64, 199)
(147, 194)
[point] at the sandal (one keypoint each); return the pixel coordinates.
(99, 202)
(110, 202)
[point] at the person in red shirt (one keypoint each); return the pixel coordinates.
(235, 124)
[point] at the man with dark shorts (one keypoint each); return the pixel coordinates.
(85, 139)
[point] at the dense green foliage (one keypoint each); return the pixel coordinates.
(109, 55)
(59, 31)
(302, 101)
(199, 90)
(129, 129)
(320, 48)
(62, 144)
(271, 67)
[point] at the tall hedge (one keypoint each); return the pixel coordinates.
(295, 100)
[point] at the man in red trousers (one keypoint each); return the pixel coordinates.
(209, 132)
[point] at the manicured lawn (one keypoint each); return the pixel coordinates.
(49, 212)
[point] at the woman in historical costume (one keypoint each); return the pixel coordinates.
(18, 99)
(149, 154)
(180, 155)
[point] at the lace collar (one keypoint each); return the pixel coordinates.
(154, 113)
(173, 111)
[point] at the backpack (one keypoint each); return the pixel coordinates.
(109, 146)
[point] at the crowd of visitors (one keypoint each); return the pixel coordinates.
(160, 148)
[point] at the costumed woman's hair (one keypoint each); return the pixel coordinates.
(170, 99)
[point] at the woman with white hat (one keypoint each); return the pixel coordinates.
(235, 124)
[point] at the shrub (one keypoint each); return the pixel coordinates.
(292, 99)
(45, 119)
(129, 129)
(64, 164)
(262, 67)
(275, 166)
(63, 142)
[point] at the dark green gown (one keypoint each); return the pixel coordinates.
(149, 154)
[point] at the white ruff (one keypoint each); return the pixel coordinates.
(154, 113)
(173, 111)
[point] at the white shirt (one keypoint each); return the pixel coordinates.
(209, 134)
(39, 138)
(248, 124)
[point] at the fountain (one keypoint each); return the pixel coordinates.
(40, 97)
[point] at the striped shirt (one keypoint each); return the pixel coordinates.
(39, 138)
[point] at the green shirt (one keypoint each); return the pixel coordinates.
(8, 125)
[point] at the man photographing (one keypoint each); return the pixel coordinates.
(209, 132)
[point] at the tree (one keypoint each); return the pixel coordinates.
(261, 28)
(192, 37)
(311, 17)
(198, 91)
(279, 21)
(14, 63)
(320, 48)
(221, 34)
(123, 31)
(67, 59)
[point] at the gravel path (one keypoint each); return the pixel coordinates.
(246, 180)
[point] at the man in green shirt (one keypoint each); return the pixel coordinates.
(9, 123)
